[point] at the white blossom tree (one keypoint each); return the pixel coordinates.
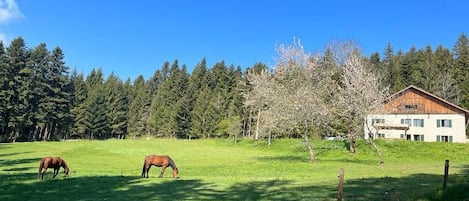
(295, 96)
(361, 93)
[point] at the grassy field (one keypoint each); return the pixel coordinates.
(221, 170)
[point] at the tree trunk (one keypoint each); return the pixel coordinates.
(312, 157)
(351, 143)
(46, 131)
(257, 124)
(270, 138)
(351, 137)
(372, 142)
(380, 155)
(310, 148)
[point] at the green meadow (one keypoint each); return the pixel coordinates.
(248, 170)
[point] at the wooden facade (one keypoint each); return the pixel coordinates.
(413, 100)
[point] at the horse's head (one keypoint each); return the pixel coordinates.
(176, 173)
(66, 168)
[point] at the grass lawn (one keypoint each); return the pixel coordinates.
(249, 170)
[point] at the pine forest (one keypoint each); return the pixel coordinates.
(303, 96)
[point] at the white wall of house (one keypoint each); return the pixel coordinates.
(436, 127)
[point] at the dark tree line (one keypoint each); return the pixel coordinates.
(41, 100)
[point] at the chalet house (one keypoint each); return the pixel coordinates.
(417, 115)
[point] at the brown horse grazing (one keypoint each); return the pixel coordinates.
(159, 161)
(52, 162)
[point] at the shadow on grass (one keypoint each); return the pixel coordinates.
(7, 162)
(21, 185)
(284, 158)
(414, 187)
(136, 188)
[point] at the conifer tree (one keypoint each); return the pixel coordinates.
(58, 94)
(117, 101)
(78, 109)
(96, 119)
(166, 105)
(17, 93)
(446, 85)
(41, 106)
(461, 65)
(4, 112)
(138, 112)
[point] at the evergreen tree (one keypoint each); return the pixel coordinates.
(203, 116)
(59, 92)
(167, 103)
(461, 65)
(409, 69)
(429, 70)
(96, 119)
(78, 109)
(41, 105)
(446, 85)
(4, 90)
(117, 102)
(17, 93)
(138, 112)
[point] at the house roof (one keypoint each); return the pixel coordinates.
(445, 102)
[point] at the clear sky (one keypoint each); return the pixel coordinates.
(135, 37)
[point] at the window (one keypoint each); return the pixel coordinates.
(418, 122)
(418, 138)
(444, 123)
(381, 135)
(406, 121)
(444, 138)
(377, 121)
(411, 107)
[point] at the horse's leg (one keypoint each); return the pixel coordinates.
(41, 174)
(56, 171)
(162, 170)
(147, 169)
(43, 171)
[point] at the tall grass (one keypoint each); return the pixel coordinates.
(248, 170)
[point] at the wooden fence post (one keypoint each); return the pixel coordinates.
(445, 177)
(340, 192)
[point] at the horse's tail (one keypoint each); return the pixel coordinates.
(41, 166)
(143, 168)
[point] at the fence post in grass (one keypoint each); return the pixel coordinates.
(340, 192)
(445, 177)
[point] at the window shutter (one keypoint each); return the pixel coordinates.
(423, 122)
(438, 122)
(450, 123)
(450, 138)
(421, 138)
(438, 138)
(402, 121)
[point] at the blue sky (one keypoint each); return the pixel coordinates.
(132, 38)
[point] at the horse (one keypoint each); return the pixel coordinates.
(159, 161)
(52, 162)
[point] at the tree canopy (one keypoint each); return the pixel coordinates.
(297, 97)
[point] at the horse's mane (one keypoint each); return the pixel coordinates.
(172, 164)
